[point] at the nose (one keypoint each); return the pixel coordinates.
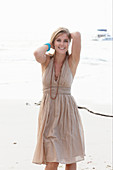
(61, 43)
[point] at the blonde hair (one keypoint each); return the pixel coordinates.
(60, 30)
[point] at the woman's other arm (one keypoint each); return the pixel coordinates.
(76, 47)
(75, 51)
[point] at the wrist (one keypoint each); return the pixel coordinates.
(49, 46)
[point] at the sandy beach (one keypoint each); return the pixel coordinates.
(18, 129)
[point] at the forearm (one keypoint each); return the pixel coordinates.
(40, 53)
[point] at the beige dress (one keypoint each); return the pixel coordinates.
(60, 133)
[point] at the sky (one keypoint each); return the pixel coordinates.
(42, 17)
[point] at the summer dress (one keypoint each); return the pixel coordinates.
(60, 132)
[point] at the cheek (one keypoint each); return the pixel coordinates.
(55, 45)
(67, 45)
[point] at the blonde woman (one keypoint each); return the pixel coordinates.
(60, 136)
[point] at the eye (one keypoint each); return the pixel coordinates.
(66, 40)
(58, 40)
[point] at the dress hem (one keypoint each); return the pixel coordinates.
(62, 162)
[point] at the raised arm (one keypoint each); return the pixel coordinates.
(40, 54)
(76, 47)
(75, 51)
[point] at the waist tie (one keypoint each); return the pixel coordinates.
(61, 90)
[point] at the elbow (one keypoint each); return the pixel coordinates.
(36, 55)
(77, 35)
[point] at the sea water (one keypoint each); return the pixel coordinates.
(20, 74)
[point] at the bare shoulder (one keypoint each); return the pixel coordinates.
(46, 63)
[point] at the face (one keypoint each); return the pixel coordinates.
(61, 43)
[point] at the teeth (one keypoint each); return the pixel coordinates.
(61, 48)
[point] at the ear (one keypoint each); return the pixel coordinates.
(53, 46)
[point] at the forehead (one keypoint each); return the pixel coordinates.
(62, 36)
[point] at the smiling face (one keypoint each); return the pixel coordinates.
(61, 43)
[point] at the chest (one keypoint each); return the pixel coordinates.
(57, 70)
(64, 73)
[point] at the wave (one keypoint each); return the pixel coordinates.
(22, 50)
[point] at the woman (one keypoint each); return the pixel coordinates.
(60, 133)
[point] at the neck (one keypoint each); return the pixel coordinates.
(59, 58)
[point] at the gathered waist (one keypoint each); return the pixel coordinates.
(61, 90)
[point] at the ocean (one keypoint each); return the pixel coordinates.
(21, 49)
(20, 74)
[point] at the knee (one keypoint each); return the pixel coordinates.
(52, 164)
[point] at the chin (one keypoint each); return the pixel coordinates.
(61, 52)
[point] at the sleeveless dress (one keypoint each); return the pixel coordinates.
(60, 135)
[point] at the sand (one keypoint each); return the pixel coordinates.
(18, 129)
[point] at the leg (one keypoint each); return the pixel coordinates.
(51, 166)
(71, 166)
